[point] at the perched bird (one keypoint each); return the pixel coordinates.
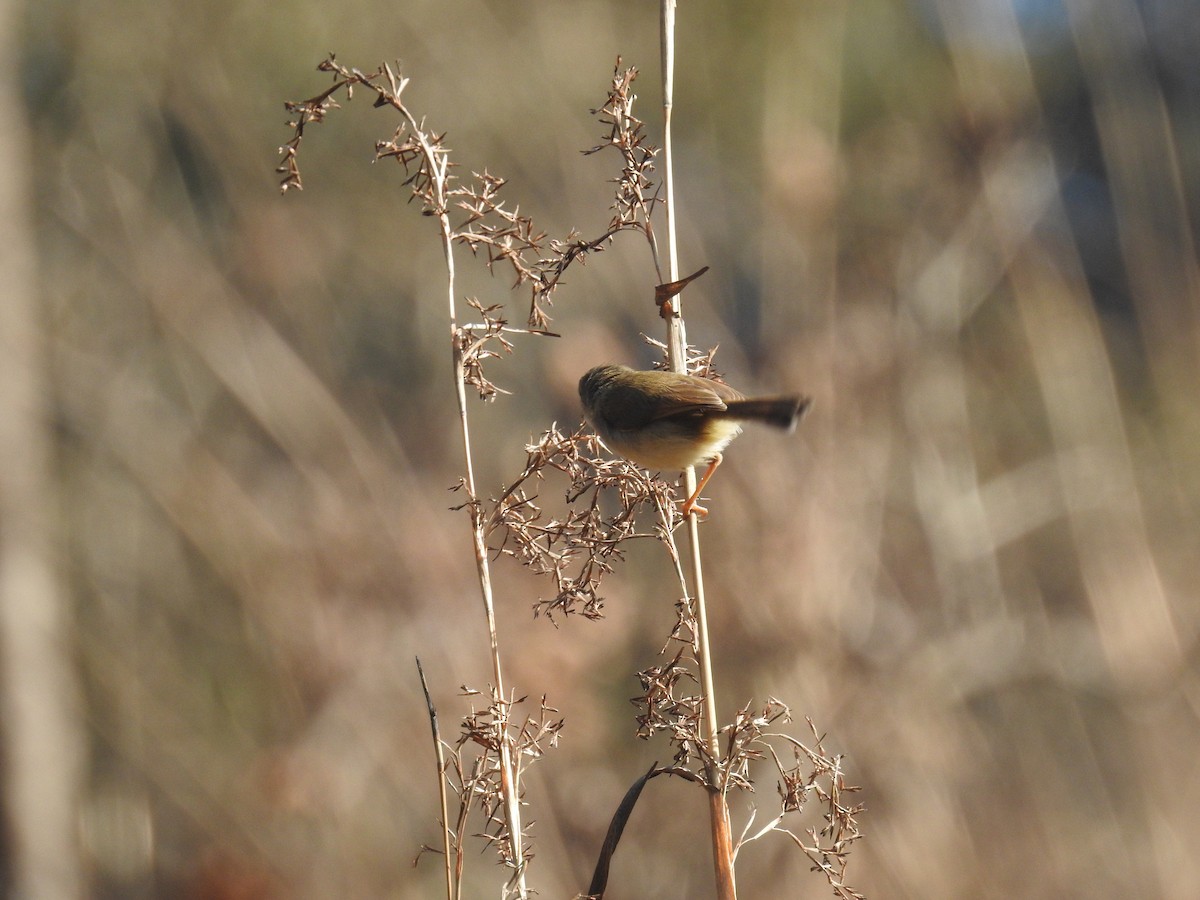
(664, 420)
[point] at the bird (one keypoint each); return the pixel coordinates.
(666, 420)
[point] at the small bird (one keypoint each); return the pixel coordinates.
(664, 420)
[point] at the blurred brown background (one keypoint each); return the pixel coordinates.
(228, 432)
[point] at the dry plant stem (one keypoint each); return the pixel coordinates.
(483, 571)
(439, 166)
(451, 894)
(722, 844)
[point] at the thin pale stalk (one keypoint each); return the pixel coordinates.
(438, 166)
(483, 571)
(442, 793)
(722, 842)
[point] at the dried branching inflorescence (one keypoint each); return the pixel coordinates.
(604, 500)
(679, 714)
(637, 192)
(472, 346)
(813, 774)
(476, 776)
(812, 778)
(488, 227)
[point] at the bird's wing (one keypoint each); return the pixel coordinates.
(682, 396)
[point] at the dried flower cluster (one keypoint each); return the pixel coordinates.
(502, 235)
(472, 345)
(476, 778)
(637, 193)
(812, 773)
(604, 500)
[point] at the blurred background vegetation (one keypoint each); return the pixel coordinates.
(964, 227)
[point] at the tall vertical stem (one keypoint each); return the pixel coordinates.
(508, 781)
(722, 845)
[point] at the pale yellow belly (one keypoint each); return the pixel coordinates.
(663, 449)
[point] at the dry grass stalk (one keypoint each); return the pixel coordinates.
(426, 161)
(722, 848)
(450, 864)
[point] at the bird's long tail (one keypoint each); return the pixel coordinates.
(781, 412)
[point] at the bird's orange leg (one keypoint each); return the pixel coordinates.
(690, 505)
